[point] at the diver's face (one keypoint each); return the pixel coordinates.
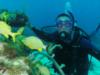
(64, 24)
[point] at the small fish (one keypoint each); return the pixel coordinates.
(33, 42)
(6, 31)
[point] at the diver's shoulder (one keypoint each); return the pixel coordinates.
(82, 32)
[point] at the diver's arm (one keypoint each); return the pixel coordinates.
(42, 35)
(91, 49)
(96, 31)
(51, 47)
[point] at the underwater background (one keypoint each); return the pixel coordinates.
(43, 12)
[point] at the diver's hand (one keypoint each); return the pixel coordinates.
(33, 28)
(30, 26)
(52, 47)
(98, 27)
(58, 46)
(62, 66)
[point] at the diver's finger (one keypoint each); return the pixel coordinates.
(59, 45)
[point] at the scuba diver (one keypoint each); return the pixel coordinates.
(74, 42)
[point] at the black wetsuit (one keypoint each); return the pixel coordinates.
(74, 54)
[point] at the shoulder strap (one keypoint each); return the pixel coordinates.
(76, 37)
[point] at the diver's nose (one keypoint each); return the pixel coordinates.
(63, 26)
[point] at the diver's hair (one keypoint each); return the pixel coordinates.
(69, 15)
(61, 15)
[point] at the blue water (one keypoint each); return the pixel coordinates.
(43, 12)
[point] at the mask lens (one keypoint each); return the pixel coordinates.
(60, 24)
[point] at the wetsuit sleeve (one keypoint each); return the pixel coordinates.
(91, 49)
(43, 35)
